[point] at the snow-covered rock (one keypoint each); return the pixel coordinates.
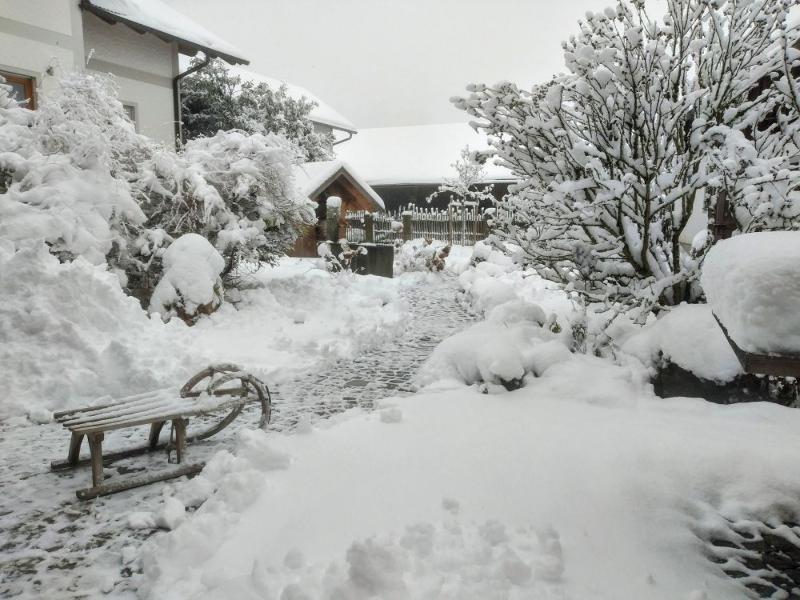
(752, 283)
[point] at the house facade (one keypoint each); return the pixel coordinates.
(137, 41)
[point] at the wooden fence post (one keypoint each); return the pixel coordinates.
(334, 205)
(369, 228)
(407, 219)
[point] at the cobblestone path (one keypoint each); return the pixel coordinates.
(388, 371)
(53, 546)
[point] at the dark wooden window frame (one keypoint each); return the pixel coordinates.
(27, 82)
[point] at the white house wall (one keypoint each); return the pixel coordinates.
(36, 35)
(143, 66)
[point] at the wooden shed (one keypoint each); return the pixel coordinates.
(321, 180)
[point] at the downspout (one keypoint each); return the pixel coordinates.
(176, 92)
(342, 141)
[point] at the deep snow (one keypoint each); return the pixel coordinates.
(581, 485)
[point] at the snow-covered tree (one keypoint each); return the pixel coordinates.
(67, 170)
(613, 155)
(236, 190)
(214, 99)
(469, 184)
(75, 174)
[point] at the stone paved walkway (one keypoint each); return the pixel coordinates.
(388, 371)
(53, 546)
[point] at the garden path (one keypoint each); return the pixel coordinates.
(55, 546)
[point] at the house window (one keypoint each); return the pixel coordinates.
(21, 89)
(130, 110)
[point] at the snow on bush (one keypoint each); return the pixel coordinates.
(612, 158)
(499, 352)
(190, 285)
(69, 336)
(752, 283)
(421, 255)
(65, 169)
(75, 174)
(234, 189)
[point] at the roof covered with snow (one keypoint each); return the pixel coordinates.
(156, 17)
(414, 154)
(313, 177)
(322, 113)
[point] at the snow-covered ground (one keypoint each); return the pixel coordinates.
(70, 334)
(581, 484)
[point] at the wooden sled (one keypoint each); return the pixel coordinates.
(217, 389)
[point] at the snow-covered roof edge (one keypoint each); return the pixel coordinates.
(153, 16)
(316, 176)
(323, 113)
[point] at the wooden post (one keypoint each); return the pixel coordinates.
(74, 448)
(332, 224)
(407, 220)
(96, 450)
(155, 432)
(724, 223)
(369, 227)
(180, 438)
(450, 224)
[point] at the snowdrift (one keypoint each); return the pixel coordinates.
(68, 334)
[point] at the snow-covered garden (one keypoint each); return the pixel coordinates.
(581, 406)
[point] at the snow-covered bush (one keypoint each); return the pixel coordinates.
(421, 255)
(215, 99)
(190, 285)
(468, 185)
(234, 189)
(343, 261)
(515, 341)
(67, 169)
(75, 174)
(612, 156)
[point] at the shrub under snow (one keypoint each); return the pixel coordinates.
(652, 118)
(421, 255)
(513, 342)
(66, 168)
(752, 282)
(190, 285)
(236, 190)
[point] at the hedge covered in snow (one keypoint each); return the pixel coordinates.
(76, 175)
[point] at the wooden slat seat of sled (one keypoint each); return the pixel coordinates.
(218, 388)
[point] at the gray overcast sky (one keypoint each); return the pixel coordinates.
(395, 62)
